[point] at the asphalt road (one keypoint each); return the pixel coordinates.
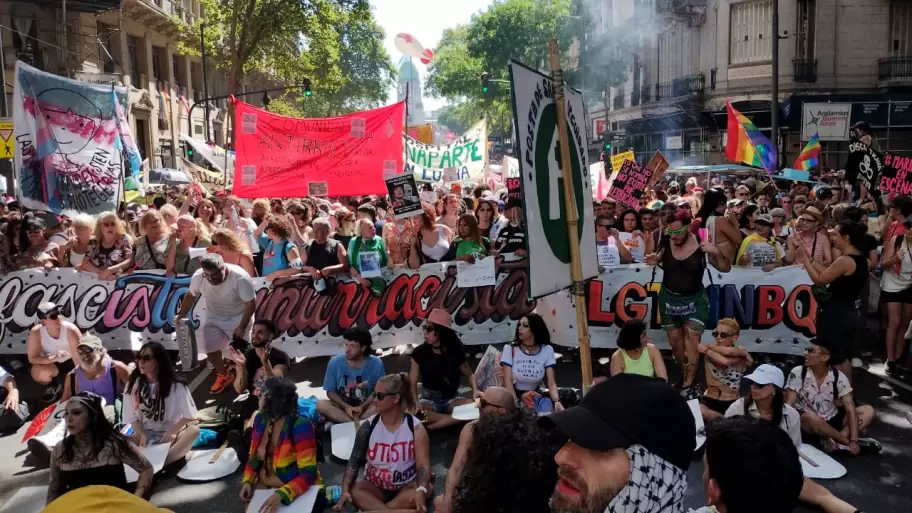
(873, 483)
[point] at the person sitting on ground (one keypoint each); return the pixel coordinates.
(823, 396)
(439, 364)
(494, 402)
(158, 405)
(93, 452)
(724, 364)
(12, 412)
(283, 450)
(393, 447)
(745, 456)
(600, 371)
(230, 303)
(51, 345)
(351, 378)
(530, 360)
(630, 442)
(258, 363)
(97, 372)
(760, 248)
(635, 355)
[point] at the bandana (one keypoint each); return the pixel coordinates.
(655, 486)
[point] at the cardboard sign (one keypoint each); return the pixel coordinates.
(658, 165)
(617, 161)
(608, 255)
(479, 274)
(404, 198)
(863, 166)
(318, 189)
(630, 183)
(895, 176)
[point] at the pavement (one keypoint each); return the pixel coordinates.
(874, 483)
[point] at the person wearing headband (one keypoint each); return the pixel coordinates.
(93, 452)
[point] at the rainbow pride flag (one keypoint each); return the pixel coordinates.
(809, 155)
(746, 144)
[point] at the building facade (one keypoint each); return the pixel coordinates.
(849, 60)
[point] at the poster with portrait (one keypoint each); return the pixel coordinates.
(404, 196)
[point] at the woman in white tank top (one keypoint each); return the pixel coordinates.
(896, 293)
(52, 343)
(394, 450)
(432, 241)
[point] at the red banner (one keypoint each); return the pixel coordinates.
(279, 157)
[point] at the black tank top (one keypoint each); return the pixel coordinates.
(108, 475)
(321, 256)
(847, 289)
(682, 277)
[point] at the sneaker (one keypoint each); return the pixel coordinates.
(222, 381)
(890, 367)
(41, 451)
(857, 363)
(869, 446)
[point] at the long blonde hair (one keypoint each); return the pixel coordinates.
(149, 215)
(228, 239)
(105, 216)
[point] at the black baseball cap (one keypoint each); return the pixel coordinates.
(629, 409)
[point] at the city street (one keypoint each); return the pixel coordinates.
(874, 483)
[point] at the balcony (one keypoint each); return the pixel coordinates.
(691, 85)
(804, 70)
(617, 103)
(645, 93)
(679, 6)
(156, 15)
(895, 69)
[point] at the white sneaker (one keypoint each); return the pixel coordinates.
(210, 366)
(857, 363)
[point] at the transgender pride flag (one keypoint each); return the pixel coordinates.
(125, 142)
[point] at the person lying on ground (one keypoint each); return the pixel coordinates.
(635, 355)
(158, 405)
(494, 402)
(257, 364)
(351, 378)
(51, 345)
(440, 364)
(530, 360)
(395, 455)
(823, 396)
(97, 372)
(725, 365)
(93, 452)
(283, 450)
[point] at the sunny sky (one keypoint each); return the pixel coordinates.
(426, 21)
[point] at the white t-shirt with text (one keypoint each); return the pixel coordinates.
(528, 369)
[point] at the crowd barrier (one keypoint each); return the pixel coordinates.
(776, 309)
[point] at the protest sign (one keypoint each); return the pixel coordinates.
(421, 133)
(895, 177)
(863, 166)
(600, 183)
(68, 157)
(608, 255)
(218, 157)
(658, 165)
(466, 156)
(617, 161)
(479, 274)
(514, 188)
(279, 157)
(403, 192)
(630, 183)
(211, 180)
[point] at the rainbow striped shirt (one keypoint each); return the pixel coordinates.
(294, 459)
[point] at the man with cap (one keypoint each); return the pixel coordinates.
(97, 372)
(760, 249)
(51, 345)
(230, 303)
(631, 439)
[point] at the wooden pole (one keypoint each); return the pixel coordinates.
(577, 287)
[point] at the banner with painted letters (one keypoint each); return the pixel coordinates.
(65, 133)
(776, 310)
(465, 158)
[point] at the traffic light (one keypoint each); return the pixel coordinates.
(189, 151)
(607, 145)
(485, 82)
(307, 91)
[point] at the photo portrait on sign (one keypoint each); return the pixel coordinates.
(369, 264)
(404, 196)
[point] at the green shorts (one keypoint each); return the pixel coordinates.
(678, 311)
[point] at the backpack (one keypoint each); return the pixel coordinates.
(408, 420)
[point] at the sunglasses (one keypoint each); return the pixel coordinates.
(146, 358)
(53, 316)
(680, 231)
(383, 395)
(605, 226)
(722, 334)
(742, 194)
(428, 327)
(85, 350)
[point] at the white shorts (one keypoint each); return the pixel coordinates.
(217, 333)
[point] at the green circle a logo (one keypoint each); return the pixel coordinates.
(550, 188)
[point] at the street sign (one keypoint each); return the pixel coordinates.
(6, 138)
(544, 208)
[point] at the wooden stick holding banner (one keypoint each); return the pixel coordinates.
(577, 288)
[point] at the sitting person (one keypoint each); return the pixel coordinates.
(283, 449)
(13, 412)
(530, 360)
(635, 355)
(725, 364)
(439, 364)
(257, 364)
(824, 398)
(351, 378)
(51, 345)
(97, 372)
(393, 447)
(494, 402)
(93, 452)
(158, 404)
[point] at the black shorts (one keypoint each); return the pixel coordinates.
(716, 405)
(838, 422)
(64, 368)
(903, 296)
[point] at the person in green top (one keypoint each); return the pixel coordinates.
(360, 246)
(188, 235)
(470, 245)
(635, 355)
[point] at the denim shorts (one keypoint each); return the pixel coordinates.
(441, 402)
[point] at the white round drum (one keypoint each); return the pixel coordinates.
(200, 467)
(466, 412)
(821, 465)
(343, 439)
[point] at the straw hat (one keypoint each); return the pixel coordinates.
(440, 318)
(814, 212)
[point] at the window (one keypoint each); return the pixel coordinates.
(133, 55)
(106, 35)
(668, 56)
(804, 33)
(198, 129)
(900, 29)
(750, 32)
(157, 62)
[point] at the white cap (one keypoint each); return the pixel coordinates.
(767, 374)
(47, 307)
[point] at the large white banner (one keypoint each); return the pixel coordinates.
(462, 160)
(829, 120)
(776, 310)
(544, 208)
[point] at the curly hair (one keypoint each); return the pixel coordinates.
(521, 455)
(280, 226)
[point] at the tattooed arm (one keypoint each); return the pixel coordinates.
(423, 464)
(55, 487)
(136, 460)
(358, 457)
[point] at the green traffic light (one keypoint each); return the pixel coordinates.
(484, 89)
(308, 92)
(607, 146)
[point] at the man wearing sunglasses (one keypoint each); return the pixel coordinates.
(51, 346)
(97, 372)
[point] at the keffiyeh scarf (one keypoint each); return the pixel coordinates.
(655, 486)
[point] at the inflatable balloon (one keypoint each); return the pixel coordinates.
(409, 46)
(427, 57)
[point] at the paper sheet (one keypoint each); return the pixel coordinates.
(157, 453)
(303, 504)
(479, 274)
